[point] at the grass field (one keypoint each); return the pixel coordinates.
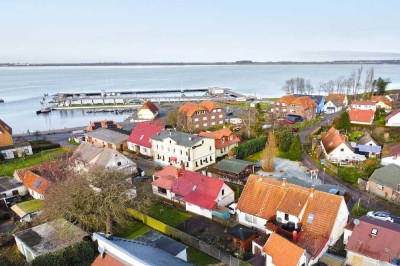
(355, 135)
(168, 215)
(255, 157)
(31, 205)
(8, 167)
(133, 230)
(199, 258)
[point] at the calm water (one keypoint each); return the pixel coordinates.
(22, 88)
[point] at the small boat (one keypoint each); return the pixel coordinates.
(44, 110)
(1, 101)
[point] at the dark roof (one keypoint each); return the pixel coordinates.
(388, 175)
(383, 246)
(21, 142)
(316, 98)
(181, 138)
(113, 136)
(365, 139)
(241, 232)
(232, 165)
(162, 242)
(9, 183)
(5, 126)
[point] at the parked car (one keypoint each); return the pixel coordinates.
(289, 121)
(294, 129)
(266, 126)
(384, 216)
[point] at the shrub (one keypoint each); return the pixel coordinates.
(250, 147)
(46, 147)
(285, 140)
(296, 149)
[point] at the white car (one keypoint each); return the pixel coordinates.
(384, 216)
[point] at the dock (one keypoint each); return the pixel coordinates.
(140, 96)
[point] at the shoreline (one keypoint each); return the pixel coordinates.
(93, 107)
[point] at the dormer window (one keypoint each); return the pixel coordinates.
(374, 231)
(286, 217)
(310, 218)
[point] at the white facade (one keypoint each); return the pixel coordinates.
(355, 259)
(394, 121)
(21, 191)
(146, 114)
(17, 152)
(391, 159)
(198, 210)
(235, 121)
(36, 195)
(27, 252)
(363, 106)
(141, 149)
(194, 158)
(251, 220)
(225, 150)
(330, 108)
(341, 153)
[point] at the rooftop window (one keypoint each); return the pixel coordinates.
(310, 218)
(374, 231)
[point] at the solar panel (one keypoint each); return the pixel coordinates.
(37, 183)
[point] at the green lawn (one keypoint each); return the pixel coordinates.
(31, 205)
(255, 157)
(358, 211)
(8, 167)
(133, 230)
(199, 258)
(381, 121)
(283, 154)
(168, 215)
(354, 135)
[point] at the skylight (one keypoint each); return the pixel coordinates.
(194, 187)
(374, 231)
(310, 218)
(37, 183)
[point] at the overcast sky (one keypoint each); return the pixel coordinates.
(188, 31)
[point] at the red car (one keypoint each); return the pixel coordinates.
(289, 121)
(294, 129)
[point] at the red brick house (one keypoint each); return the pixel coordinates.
(295, 109)
(225, 140)
(202, 115)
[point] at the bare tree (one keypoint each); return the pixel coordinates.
(300, 85)
(330, 87)
(339, 84)
(356, 77)
(269, 153)
(289, 87)
(309, 87)
(321, 88)
(368, 84)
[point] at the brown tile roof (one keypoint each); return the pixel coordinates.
(282, 251)
(305, 102)
(287, 99)
(391, 150)
(379, 98)
(294, 201)
(190, 108)
(218, 135)
(48, 170)
(36, 182)
(363, 102)
(362, 116)
(334, 96)
(332, 139)
(151, 106)
(107, 260)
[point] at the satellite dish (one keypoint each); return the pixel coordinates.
(356, 221)
(101, 250)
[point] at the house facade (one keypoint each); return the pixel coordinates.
(367, 146)
(332, 106)
(110, 138)
(203, 115)
(295, 109)
(318, 99)
(391, 154)
(361, 116)
(178, 148)
(385, 182)
(337, 149)
(199, 193)
(281, 106)
(11, 190)
(382, 102)
(363, 105)
(148, 111)
(340, 98)
(314, 219)
(225, 140)
(139, 140)
(393, 120)
(10, 149)
(373, 242)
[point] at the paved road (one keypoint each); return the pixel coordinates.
(367, 199)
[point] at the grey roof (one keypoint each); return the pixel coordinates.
(369, 148)
(50, 237)
(232, 165)
(108, 135)
(108, 154)
(388, 175)
(147, 253)
(336, 103)
(163, 242)
(9, 183)
(241, 232)
(181, 138)
(21, 142)
(365, 139)
(86, 152)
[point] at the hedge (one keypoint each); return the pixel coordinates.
(83, 253)
(250, 147)
(46, 147)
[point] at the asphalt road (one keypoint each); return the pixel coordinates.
(366, 199)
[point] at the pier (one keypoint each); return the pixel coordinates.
(140, 96)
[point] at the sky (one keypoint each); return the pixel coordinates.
(51, 31)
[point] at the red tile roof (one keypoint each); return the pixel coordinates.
(190, 108)
(305, 102)
(384, 246)
(334, 96)
(218, 135)
(332, 139)
(142, 133)
(392, 115)
(361, 116)
(30, 179)
(195, 188)
(103, 123)
(287, 99)
(363, 102)
(383, 99)
(151, 106)
(282, 251)
(107, 260)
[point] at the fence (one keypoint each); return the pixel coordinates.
(187, 239)
(331, 167)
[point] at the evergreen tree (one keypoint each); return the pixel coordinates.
(380, 84)
(344, 122)
(285, 140)
(296, 149)
(378, 113)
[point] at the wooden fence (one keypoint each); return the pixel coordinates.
(187, 239)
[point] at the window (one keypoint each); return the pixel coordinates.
(374, 231)
(342, 149)
(213, 117)
(213, 123)
(210, 148)
(219, 111)
(211, 159)
(380, 187)
(250, 218)
(310, 218)
(205, 124)
(223, 192)
(204, 118)
(220, 116)
(221, 122)
(196, 119)
(222, 140)
(15, 192)
(286, 217)
(197, 125)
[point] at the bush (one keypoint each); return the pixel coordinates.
(45, 147)
(83, 253)
(285, 140)
(236, 189)
(250, 147)
(296, 149)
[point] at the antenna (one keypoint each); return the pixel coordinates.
(356, 222)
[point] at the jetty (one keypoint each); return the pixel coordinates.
(104, 98)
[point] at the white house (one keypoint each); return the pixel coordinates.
(361, 116)
(363, 105)
(121, 251)
(272, 206)
(11, 189)
(337, 149)
(200, 194)
(332, 106)
(139, 140)
(179, 148)
(235, 121)
(148, 111)
(225, 140)
(26, 210)
(393, 120)
(391, 154)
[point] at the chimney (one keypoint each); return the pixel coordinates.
(284, 182)
(312, 191)
(182, 167)
(109, 235)
(294, 237)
